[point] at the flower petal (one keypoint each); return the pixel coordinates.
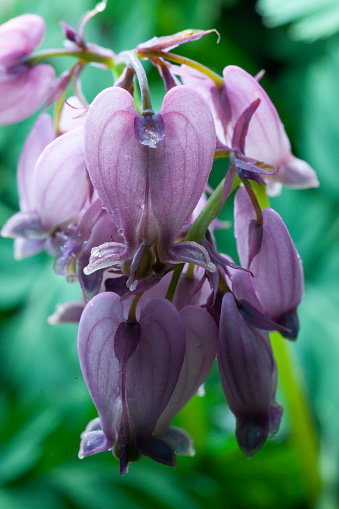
(100, 368)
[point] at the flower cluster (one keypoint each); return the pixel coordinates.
(117, 193)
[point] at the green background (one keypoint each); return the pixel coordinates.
(44, 403)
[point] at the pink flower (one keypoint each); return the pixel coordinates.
(23, 87)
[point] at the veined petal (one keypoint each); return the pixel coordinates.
(115, 159)
(61, 182)
(184, 160)
(99, 322)
(201, 348)
(41, 135)
(153, 371)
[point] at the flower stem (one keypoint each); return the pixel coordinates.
(178, 59)
(85, 55)
(303, 432)
(130, 59)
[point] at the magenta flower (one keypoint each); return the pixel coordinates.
(269, 252)
(149, 173)
(23, 87)
(248, 375)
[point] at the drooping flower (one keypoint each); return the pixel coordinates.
(248, 375)
(269, 252)
(266, 139)
(149, 173)
(131, 370)
(23, 87)
(141, 374)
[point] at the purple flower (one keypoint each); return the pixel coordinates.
(23, 87)
(53, 192)
(149, 173)
(141, 374)
(248, 375)
(266, 139)
(131, 370)
(269, 252)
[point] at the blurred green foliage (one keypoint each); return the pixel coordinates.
(44, 402)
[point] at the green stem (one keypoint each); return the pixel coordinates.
(131, 59)
(178, 59)
(303, 432)
(85, 55)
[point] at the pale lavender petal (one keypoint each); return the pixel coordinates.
(67, 312)
(73, 114)
(106, 255)
(297, 174)
(61, 182)
(190, 252)
(41, 135)
(24, 248)
(19, 37)
(168, 42)
(152, 373)
(99, 322)
(244, 213)
(92, 443)
(201, 349)
(24, 225)
(22, 91)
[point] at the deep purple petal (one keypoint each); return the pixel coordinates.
(153, 371)
(248, 375)
(201, 348)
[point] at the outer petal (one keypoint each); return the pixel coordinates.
(114, 159)
(152, 373)
(201, 348)
(248, 376)
(279, 280)
(40, 136)
(60, 180)
(184, 159)
(266, 139)
(20, 36)
(22, 92)
(100, 368)
(244, 213)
